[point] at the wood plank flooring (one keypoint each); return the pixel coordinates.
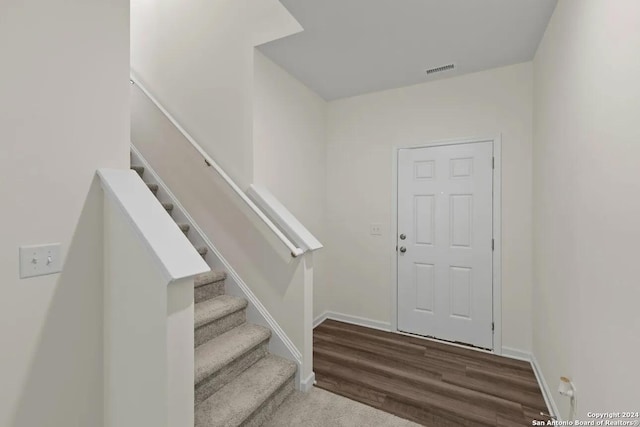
(428, 382)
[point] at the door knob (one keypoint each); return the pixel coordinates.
(403, 249)
(403, 236)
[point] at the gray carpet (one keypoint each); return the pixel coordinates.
(319, 408)
(237, 381)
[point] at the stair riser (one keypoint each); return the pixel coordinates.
(139, 170)
(270, 406)
(206, 292)
(206, 332)
(219, 379)
(203, 252)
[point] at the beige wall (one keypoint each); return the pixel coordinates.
(361, 133)
(587, 203)
(198, 62)
(289, 122)
(278, 283)
(63, 113)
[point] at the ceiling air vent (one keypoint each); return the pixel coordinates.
(440, 69)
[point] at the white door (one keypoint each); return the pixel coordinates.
(445, 247)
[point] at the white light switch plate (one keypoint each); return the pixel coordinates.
(40, 260)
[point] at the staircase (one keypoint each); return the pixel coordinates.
(237, 381)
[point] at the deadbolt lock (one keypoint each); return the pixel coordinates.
(403, 236)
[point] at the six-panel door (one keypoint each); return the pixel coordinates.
(445, 212)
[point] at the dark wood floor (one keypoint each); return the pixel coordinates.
(428, 382)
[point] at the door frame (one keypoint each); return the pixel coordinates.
(497, 230)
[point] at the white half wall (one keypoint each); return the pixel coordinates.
(289, 122)
(64, 113)
(586, 197)
(361, 133)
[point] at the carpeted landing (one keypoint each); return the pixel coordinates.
(320, 408)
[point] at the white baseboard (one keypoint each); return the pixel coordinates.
(514, 353)
(319, 319)
(546, 391)
(307, 383)
(354, 320)
(509, 352)
(280, 344)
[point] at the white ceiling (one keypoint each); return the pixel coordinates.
(350, 47)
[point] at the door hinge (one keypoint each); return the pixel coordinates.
(493, 163)
(493, 327)
(493, 244)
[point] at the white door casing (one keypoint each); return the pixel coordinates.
(445, 210)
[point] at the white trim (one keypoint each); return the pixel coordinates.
(308, 382)
(294, 251)
(280, 215)
(497, 250)
(174, 255)
(393, 235)
(354, 320)
(497, 230)
(279, 344)
(546, 391)
(526, 356)
(514, 353)
(320, 318)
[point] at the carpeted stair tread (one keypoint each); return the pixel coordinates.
(237, 401)
(202, 250)
(237, 381)
(216, 308)
(217, 353)
(209, 277)
(153, 188)
(138, 169)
